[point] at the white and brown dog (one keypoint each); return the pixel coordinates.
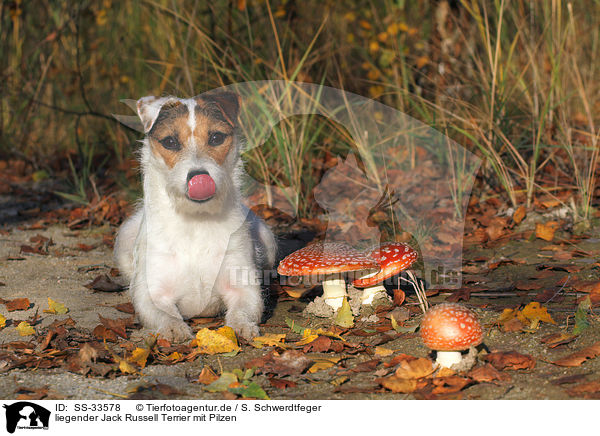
(191, 243)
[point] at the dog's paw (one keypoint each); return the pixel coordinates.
(176, 331)
(246, 330)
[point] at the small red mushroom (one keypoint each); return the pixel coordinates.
(393, 257)
(330, 260)
(450, 328)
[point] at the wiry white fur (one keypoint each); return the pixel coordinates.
(184, 258)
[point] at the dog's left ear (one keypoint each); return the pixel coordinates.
(148, 109)
(227, 102)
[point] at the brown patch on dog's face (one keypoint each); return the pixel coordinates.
(171, 132)
(214, 135)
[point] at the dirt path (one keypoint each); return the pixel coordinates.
(357, 368)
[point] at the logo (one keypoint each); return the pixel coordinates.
(26, 415)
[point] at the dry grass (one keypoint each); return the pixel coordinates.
(514, 80)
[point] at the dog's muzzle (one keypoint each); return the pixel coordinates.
(200, 186)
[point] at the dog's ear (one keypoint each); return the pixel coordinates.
(227, 102)
(148, 109)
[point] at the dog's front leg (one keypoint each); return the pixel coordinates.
(239, 288)
(156, 309)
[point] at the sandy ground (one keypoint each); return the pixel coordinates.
(62, 273)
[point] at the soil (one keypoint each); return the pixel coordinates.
(62, 273)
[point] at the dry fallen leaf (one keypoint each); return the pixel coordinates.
(344, 317)
(488, 374)
(222, 340)
(207, 376)
(519, 214)
(323, 363)
(269, 340)
(535, 312)
(510, 360)
(2, 321)
(17, 304)
(139, 356)
(577, 358)
(546, 231)
(417, 368)
(56, 307)
(25, 329)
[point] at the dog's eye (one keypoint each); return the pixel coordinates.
(170, 143)
(216, 138)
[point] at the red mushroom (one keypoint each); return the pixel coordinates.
(393, 257)
(329, 261)
(450, 328)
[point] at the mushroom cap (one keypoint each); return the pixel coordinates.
(325, 258)
(393, 257)
(450, 327)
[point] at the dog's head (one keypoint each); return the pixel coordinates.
(192, 146)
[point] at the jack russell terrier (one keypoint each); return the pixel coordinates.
(191, 242)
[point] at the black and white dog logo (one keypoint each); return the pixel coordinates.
(26, 415)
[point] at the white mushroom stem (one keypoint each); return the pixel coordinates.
(448, 358)
(334, 291)
(370, 292)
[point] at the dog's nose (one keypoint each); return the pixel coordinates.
(195, 173)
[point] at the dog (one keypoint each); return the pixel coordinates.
(191, 241)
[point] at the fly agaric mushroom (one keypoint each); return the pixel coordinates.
(393, 257)
(450, 328)
(330, 261)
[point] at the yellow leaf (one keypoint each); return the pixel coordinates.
(422, 61)
(222, 340)
(324, 363)
(126, 368)
(2, 321)
(507, 315)
(307, 337)
(344, 317)
(546, 231)
(140, 356)
(381, 351)
(56, 307)
(25, 329)
(174, 356)
(269, 340)
(373, 46)
(534, 311)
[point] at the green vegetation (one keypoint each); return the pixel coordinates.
(514, 81)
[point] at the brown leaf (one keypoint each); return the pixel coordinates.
(399, 297)
(366, 366)
(320, 345)
(510, 360)
(449, 385)
(580, 356)
(207, 376)
(24, 393)
(488, 374)
(556, 339)
(519, 214)
(586, 390)
(17, 304)
(400, 385)
(103, 283)
(280, 383)
(417, 368)
(103, 333)
(125, 308)
(116, 325)
(290, 362)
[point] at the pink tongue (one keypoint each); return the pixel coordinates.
(201, 187)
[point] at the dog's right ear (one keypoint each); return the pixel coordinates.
(148, 109)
